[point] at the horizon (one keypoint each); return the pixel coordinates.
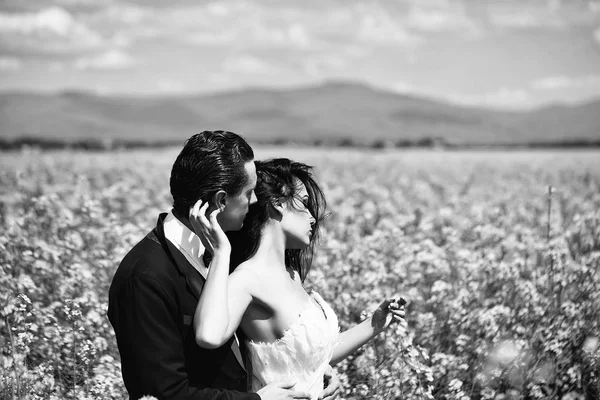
(509, 55)
(233, 91)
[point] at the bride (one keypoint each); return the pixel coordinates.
(290, 334)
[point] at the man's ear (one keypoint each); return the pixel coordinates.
(220, 200)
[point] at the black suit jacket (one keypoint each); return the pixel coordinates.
(151, 305)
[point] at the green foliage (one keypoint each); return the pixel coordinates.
(498, 307)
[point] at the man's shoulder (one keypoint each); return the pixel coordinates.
(148, 259)
(147, 250)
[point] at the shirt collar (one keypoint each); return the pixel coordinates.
(186, 241)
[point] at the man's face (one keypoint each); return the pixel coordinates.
(232, 217)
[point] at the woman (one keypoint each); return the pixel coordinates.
(290, 333)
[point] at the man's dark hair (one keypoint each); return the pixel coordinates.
(277, 183)
(209, 161)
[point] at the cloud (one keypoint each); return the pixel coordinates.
(362, 24)
(253, 25)
(170, 86)
(217, 38)
(381, 29)
(50, 30)
(247, 64)
(10, 64)
(551, 14)
(109, 60)
(597, 35)
(83, 3)
(551, 82)
(324, 64)
(403, 87)
(520, 19)
(506, 98)
(294, 34)
(129, 22)
(564, 82)
(444, 19)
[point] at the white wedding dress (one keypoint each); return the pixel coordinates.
(302, 354)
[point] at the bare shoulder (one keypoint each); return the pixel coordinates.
(245, 268)
(244, 277)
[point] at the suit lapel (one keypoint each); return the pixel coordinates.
(193, 278)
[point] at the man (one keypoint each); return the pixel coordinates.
(156, 288)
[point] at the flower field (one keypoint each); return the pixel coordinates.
(497, 254)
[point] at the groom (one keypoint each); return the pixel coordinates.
(156, 288)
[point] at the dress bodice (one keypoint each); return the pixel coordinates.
(302, 354)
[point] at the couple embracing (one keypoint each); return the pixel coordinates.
(210, 304)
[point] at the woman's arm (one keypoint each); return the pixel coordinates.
(224, 298)
(352, 339)
(223, 302)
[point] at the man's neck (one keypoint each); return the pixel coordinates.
(183, 219)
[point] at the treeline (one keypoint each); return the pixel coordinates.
(82, 144)
(424, 143)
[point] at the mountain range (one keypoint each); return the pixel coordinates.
(332, 113)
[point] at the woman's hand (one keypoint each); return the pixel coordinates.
(391, 310)
(350, 340)
(332, 385)
(208, 229)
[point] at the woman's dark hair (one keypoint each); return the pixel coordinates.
(278, 183)
(209, 161)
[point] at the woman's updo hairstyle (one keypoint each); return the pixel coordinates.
(277, 183)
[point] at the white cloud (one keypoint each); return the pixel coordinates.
(402, 87)
(53, 20)
(129, 14)
(428, 20)
(296, 34)
(48, 30)
(506, 98)
(10, 64)
(213, 38)
(57, 66)
(88, 3)
(374, 25)
(130, 21)
(533, 15)
(551, 82)
(278, 34)
(380, 29)
(256, 35)
(597, 35)
(220, 9)
(110, 60)
(170, 86)
(442, 19)
(520, 20)
(236, 23)
(248, 64)
(250, 25)
(324, 64)
(565, 82)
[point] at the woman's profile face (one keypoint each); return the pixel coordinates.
(297, 221)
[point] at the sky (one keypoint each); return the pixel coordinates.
(510, 54)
